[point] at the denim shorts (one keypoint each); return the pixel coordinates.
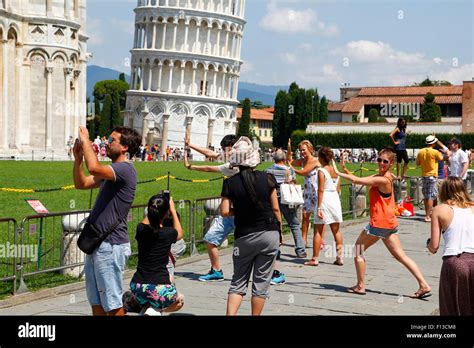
(220, 228)
(104, 275)
(380, 232)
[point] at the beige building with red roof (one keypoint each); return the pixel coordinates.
(261, 121)
(456, 103)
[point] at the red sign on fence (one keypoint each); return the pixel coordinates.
(37, 206)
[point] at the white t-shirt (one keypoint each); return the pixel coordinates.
(456, 163)
(227, 171)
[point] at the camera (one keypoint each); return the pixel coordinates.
(166, 193)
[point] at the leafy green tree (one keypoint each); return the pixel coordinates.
(323, 110)
(109, 87)
(428, 83)
(122, 77)
(244, 124)
(105, 117)
(430, 111)
(373, 115)
(116, 119)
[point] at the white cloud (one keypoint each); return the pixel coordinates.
(437, 60)
(455, 75)
(288, 20)
(372, 52)
(94, 31)
(289, 58)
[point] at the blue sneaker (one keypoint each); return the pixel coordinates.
(278, 278)
(212, 276)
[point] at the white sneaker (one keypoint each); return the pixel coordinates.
(150, 312)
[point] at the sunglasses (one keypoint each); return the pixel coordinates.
(111, 140)
(379, 160)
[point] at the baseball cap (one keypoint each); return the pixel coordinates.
(455, 141)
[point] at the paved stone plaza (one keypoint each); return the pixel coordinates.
(308, 290)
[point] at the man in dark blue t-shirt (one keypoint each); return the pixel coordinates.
(104, 267)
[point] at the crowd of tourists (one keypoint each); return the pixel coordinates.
(251, 207)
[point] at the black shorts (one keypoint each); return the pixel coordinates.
(402, 155)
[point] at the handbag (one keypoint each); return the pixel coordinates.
(91, 238)
(291, 194)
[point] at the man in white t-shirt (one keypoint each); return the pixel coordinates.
(459, 160)
(221, 227)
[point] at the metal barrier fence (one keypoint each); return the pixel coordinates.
(9, 250)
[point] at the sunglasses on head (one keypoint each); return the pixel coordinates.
(379, 160)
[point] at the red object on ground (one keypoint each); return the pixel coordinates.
(408, 206)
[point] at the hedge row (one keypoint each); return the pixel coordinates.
(373, 140)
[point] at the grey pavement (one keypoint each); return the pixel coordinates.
(308, 290)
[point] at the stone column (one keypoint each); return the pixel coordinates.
(160, 75)
(186, 33)
(49, 8)
(170, 82)
(142, 77)
(226, 47)
(165, 25)
(196, 44)
(145, 114)
(229, 90)
(175, 32)
(243, 9)
(208, 40)
(153, 44)
(217, 49)
(222, 5)
(210, 131)
(193, 85)
(164, 139)
(5, 94)
(67, 112)
(67, 12)
(236, 86)
(181, 85)
(150, 77)
(76, 116)
(135, 77)
(204, 84)
(49, 105)
(221, 94)
(145, 35)
(19, 101)
(214, 85)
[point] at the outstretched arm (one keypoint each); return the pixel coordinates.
(206, 152)
(207, 169)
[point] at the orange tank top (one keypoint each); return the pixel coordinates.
(382, 210)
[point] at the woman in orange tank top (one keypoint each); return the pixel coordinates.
(383, 223)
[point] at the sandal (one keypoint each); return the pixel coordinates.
(312, 262)
(338, 262)
(353, 290)
(421, 294)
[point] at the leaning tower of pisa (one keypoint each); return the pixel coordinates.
(42, 76)
(185, 70)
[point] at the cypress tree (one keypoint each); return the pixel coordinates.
(279, 119)
(323, 110)
(244, 124)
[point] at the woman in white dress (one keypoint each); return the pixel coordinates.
(329, 211)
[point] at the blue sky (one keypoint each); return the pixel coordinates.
(324, 43)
